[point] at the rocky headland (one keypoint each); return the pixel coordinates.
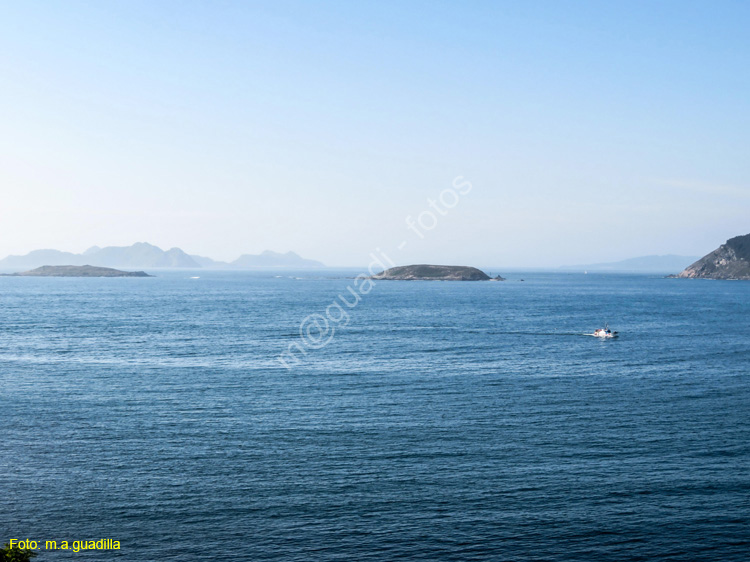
(728, 261)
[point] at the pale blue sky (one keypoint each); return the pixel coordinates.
(228, 127)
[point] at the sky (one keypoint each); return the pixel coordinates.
(588, 131)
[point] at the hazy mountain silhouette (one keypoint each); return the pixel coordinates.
(209, 263)
(140, 255)
(273, 259)
(144, 255)
(38, 258)
(137, 255)
(254, 261)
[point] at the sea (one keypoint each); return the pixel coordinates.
(430, 421)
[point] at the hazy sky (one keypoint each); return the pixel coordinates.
(590, 131)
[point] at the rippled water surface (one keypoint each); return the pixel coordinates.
(446, 421)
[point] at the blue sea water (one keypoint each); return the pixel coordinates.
(445, 422)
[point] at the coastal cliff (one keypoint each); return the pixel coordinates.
(729, 261)
(423, 272)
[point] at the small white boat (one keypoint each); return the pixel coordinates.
(604, 333)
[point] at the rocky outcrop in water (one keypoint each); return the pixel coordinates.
(425, 272)
(729, 261)
(78, 271)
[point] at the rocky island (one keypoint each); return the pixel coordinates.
(77, 271)
(423, 272)
(729, 261)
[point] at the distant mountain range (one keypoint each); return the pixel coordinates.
(644, 264)
(148, 256)
(265, 259)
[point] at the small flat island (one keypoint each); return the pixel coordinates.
(77, 271)
(424, 272)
